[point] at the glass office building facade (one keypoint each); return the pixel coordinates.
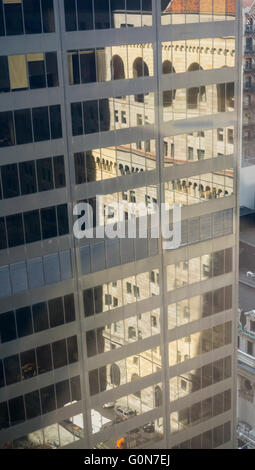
(108, 339)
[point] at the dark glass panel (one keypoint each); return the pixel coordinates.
(51, 69)
(77, 127)
(10, 181)
(32, 404)
(102, 18)
(90, 116)
(88, 302)
(59, 353)
(62, 216)
(12, 369)
(2, 384)
(56, 312)
(28, 364)
(3, 239)
(15, 230)
(59, 171)
(27, 177)
(63, 393)
(72, 348)
(4, 73)
(23, 126)
(2, 31)
(4, 415)
(32, 16)
(17, 411)
(32, 226)
(13, 18)
(7, 136)
(69, 308)
(24, 321)
(44, 174)
(48, 399)
(49, 222)
(40, 317)
(74, 68)
(7, 327)
(44, 360)
(36, 71)
(85, 14)
(88, 66)
(79, 164)
(55, 122)
(104, 113)
(48, 16)
(76, 388)
(70, 15)
(41, 123)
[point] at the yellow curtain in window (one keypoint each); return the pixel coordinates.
(18, 71)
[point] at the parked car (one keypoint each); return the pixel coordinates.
(250, 274)
(110, 404)
(149, 427)
(124, 412)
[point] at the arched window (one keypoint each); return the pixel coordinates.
(115, 375)
(140, 69)
(196, 94)
(168, 95)
(118, 71)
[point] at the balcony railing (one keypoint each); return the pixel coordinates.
(246, 359)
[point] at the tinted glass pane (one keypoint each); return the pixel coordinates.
(7, 136)
(51, 69)
(7, 327)
(85, 15)
(1, 375)
(55, 122)
(56, 312)
(2, 31)
(90, 116)
(32, 16)
(44, 174)
(75, 388)
(40, 317)
(15, 230)
(3, 239)
(13, 18)
(4, 73)
(23, 126)
(32, 404)
(48, 399)
(24, 321)
(10, 181)
(102, 19)
(59, 171)
(44, 361)
(70, 15)
(69, 308)
(62, 215)
(17, 411)
(28, 364)
(36, 71)
(27, 177)
(41, 123)
(32, 226)
(48, 16)
(63, 393)
(77, 127)
(12, 369)
(49, 222)
(4, 415)
(72, 348)
(59, 354)
(88, 66)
